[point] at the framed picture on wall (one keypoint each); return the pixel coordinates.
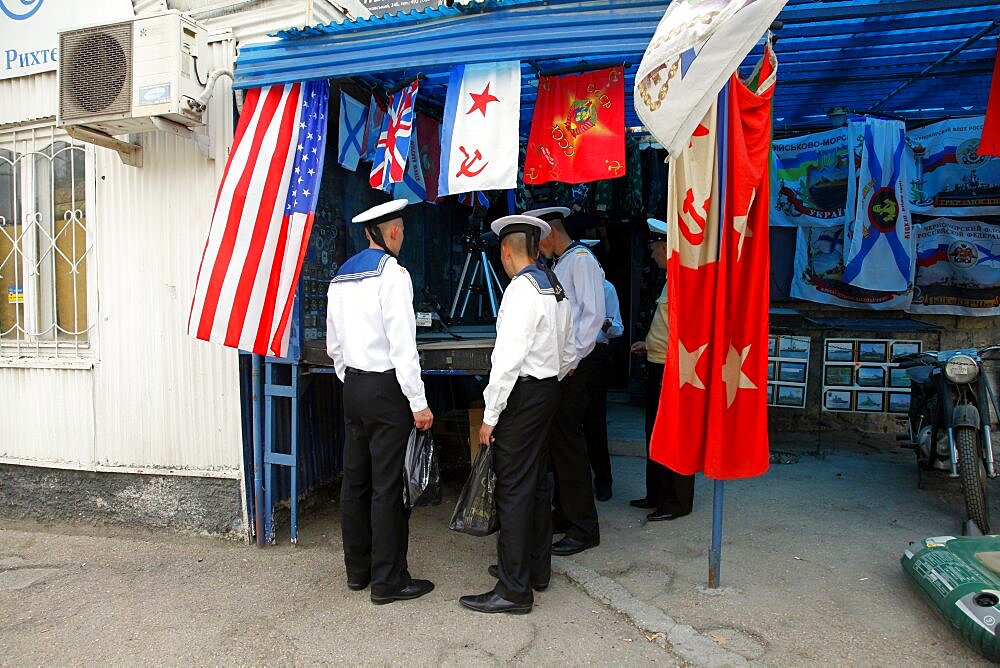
(871, 376)
(899, 402)
(792, 372)
(770, 369)
(772, 346)
(791, 395)
(898, 378)
(839, 351)
(793, 346)
(872, 351)
(872, 402)
(837, 400)
(839, 375)
(905, 348)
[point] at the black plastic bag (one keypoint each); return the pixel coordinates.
(422, 483)
(476, 510)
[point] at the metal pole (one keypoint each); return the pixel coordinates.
(258, 452)
(715, 556)
(940, 61)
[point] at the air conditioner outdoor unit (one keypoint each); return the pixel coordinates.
(120, 77)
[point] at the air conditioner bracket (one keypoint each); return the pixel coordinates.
(130, 154)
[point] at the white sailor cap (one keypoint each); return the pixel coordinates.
(381, 213)
(657, 229)
(549, 213)
(590, 242)
(520, 223)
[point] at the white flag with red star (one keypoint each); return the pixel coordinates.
(479, 137)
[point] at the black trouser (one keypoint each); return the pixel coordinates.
(375, 522)
(595, 420)
(671, 492)
(520, 461)
(568, 450)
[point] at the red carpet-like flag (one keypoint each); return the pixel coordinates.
(713, 406)
(989, 144)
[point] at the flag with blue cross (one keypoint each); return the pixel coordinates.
(879, 250)
(353, 121)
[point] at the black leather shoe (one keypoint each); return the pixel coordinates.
(493, 602)
(641, 503)
(662, 515)
(415, 589)
(602, 492)
(495, 573)
(357, 585)
(568, 546)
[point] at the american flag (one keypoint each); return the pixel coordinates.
(263, 216)
(389, 165)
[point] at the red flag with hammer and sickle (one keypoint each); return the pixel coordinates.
(578, 128)
(713, 405)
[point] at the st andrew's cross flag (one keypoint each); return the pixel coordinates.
(878, 246)
(393, 148)
(263, 217)
(577, 128)
(713, 406)
(350, 139)
(376, 116)
(696, 46)
(479, 137)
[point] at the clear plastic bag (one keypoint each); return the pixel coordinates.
(422, 484)
(476, 510)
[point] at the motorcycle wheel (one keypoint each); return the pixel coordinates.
(973, 475)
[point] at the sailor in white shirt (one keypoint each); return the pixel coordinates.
(595, 421)
(371, 337)
(583, 280)
(534, 349)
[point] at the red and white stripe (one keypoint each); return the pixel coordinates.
(245, 285)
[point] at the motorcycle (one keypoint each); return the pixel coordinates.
(952, 407)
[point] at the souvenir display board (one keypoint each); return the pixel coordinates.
(859, 378)
(787, 371)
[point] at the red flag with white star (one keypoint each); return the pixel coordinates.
(713, 405)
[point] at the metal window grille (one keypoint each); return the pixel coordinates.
(46, 247)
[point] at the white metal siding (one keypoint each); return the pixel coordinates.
(28, 98)
(161, 398)
(48, 417)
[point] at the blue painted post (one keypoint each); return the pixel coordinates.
(715, 556)
(268, 449)
(293, 470)
(258, 448)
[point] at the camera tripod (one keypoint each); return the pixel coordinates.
(482, 280)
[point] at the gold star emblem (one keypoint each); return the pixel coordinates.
(733, 376)
(689, 366)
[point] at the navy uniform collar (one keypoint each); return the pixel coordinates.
(366, 264)
(543, 280)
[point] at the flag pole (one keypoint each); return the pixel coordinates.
(258, 448)
(715, 555)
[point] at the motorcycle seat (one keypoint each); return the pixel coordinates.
(920, 374)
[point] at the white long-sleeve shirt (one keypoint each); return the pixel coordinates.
(583, 280)
(613, 313)
(370, 325)
(534, 338)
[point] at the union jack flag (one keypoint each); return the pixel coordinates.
(474, 198)
(389, 165)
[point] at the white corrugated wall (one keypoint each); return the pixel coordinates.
(155, 399)
(28, 98)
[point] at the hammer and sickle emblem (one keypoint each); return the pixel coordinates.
(614, 166)
(614, 75)
(469, 162)
(532, 173)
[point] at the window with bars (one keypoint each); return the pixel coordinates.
(46, 246)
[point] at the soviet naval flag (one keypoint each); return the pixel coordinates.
(479, 136)
(713, 406)
(578, 128)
